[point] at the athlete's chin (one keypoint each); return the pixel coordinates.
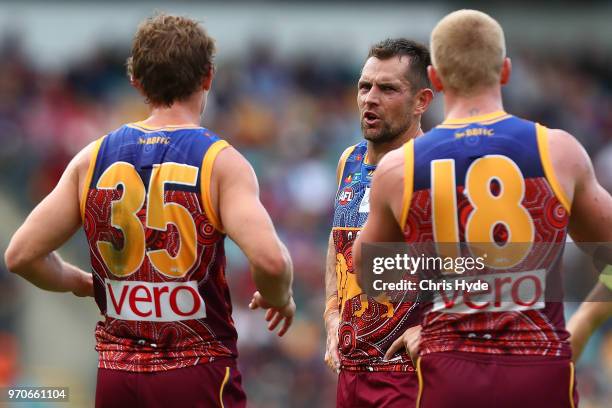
(375, 137)
(372, 134)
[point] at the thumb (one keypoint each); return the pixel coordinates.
(395, 347)
(335, 354)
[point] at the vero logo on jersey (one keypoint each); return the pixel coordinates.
(153, 301)
(511, 291)
(346, 196)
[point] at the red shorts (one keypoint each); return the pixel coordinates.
(204, 385)
(380, 389)
(475, 380)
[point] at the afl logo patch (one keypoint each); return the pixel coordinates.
(346, 196)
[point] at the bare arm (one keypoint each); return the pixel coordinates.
(590, 221)
(385, 207)
(331, 280)
(248, 224)
(592, 313)
(331, 316)
(591, 205)
(30, 253)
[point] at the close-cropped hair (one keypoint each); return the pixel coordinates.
(468, 50)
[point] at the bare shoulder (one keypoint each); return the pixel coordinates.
(230, 161)
(567, 153)
(80, 162)
(232, 169)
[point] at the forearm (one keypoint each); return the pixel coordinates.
(581, 327)
(274, 278)
(50, 273)
(591, 314)
(331, 313)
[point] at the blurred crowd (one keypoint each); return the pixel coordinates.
(291, 118)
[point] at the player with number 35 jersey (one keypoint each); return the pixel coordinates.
(156, 249)
(156, 199)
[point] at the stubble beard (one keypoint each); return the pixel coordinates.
(385, 134)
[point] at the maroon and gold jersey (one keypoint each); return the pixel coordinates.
(156, 248)
(488, 181)
(368, 326)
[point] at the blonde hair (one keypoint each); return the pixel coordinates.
(468, 50)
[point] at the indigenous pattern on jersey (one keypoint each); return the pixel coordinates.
(156, 250)
(489, 180)
(368, 326)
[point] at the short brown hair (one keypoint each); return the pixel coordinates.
(170, 57)
(468, 50)
(402, 47)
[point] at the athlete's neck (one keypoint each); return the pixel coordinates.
(180, 113)
(459, 107)
(376, 151)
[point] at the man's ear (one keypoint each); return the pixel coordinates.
(208, 78)
(506, 71)
(422, 100)
(136, 84)
(434, 78)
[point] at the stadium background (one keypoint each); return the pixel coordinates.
(285, 96)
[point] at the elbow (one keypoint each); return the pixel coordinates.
(273, 265)
(14, 259)
(278, 266)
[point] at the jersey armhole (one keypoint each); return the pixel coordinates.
(549, 171)
(408, 181)
(205, 178)
(93, 158)
(340, 171)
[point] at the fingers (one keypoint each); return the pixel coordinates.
(329, 361)
(332, 356)
(275, 321)
(413, 347)
(255, 301)
(332, 362)
(395, 347)
(286, 325)
(412, 344)
(335, 355)
(273, 315)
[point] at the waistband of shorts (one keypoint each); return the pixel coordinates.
(393, 368)
(156, 367)
(505, 359)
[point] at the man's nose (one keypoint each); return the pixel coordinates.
(372, 97)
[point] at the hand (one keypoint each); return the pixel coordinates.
(275, 315)
(409, 340)
(580, 331)
(83, 284)
(332, 356)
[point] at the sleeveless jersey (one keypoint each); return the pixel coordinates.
(489, 180)
(368, 326)
(156, 250)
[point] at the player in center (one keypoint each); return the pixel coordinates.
(365, 336)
